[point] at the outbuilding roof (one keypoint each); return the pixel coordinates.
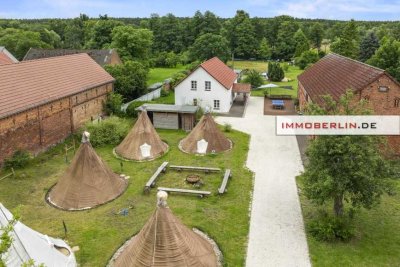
(334, 74)
(101, 56)
(29, 84)
(6, 57)
(169, 108)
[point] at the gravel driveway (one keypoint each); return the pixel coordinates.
(277, 235)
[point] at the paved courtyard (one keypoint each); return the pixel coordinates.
(277, 235)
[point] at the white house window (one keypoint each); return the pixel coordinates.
(383, 88)
(194, 101)
(216, 104)
(208, 86)
(194, 85)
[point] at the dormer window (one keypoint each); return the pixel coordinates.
(208, 85)
(194, 85)
(383, 88)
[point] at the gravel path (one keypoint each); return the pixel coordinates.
(277, 235)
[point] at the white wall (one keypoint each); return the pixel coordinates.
(184, 95)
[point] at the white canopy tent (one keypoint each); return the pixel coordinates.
(31, 245)
(270, 85)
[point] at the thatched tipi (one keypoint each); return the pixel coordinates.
(205, 138)
(165, 242)
(142, 142)
(88, 181)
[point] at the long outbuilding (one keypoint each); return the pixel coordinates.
(43, 101)
(171, 116)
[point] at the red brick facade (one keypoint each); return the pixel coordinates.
(40, 127)
(381, 102)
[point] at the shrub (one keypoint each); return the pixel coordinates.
(131, 110)
(329, 228)
(307, 58)
(254, 78)
(275, 72)
(164, 93)
(227, 127)
(285, 66)
(108, 132)
(18, 160)
(113, 104)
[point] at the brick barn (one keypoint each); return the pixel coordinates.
(334, 74)
(43, 101)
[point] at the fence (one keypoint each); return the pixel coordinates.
(147, 97)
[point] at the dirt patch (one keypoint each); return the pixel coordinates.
(288, 110)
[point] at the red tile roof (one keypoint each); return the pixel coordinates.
(32, 83)
(219, 71)
(6, 57)
(334, 74)
(241, 87)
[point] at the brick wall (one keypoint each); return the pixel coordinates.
(301, 94)
(383, 103)
(38, 128)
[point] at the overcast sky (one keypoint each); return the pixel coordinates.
(328, 9)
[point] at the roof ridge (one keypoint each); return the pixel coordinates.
(356, 61)
(46, 58)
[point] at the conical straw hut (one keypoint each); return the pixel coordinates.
(165, 241)
(206, 137)
(142, 142)
(88, 181)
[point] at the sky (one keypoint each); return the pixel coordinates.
(326, 9)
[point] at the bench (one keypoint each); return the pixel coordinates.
(201, 194)
(191, 168)
(152, 181)
(227, 175)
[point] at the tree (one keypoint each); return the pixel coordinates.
(166, 59)
(301, 41)
(241, 36)
(286, 45)
(316, 35)
(254, 78)
(132, 43)
(209, 45)
(275, 72)
(348, 43)
(307, 58)
(130, 79)
(201, 24)
(264, 50)
(74, 33)
(18, 42)
(344, 168)
(169, 33)
(100, 33)
(387, 57)
(368, 46)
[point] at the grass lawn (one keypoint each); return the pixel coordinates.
(261, 66)
(377, 241)
(160, 74)
(99, 232)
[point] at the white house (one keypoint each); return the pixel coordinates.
(212, 84)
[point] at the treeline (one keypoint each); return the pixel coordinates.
(168, 40)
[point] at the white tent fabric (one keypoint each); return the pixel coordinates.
(202, 146)
(28, 244)
(145, 149)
